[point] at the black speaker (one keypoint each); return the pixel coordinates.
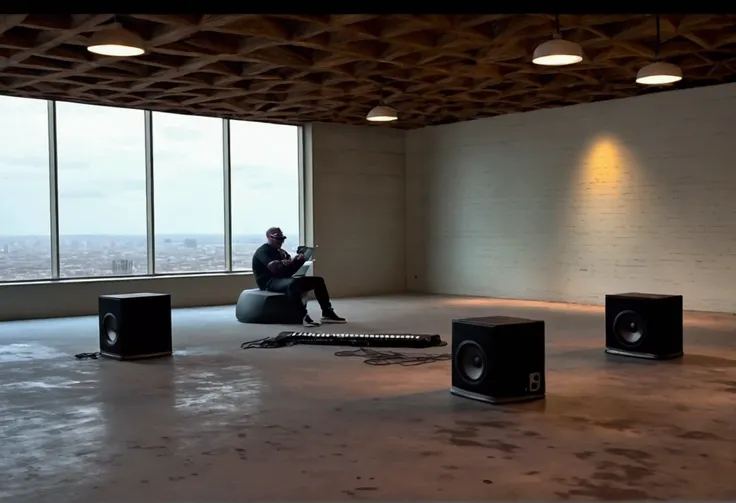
(498, 359)
(644, 325)
(135, 325)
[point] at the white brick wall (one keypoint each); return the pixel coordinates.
(570, 204)
(359, 195)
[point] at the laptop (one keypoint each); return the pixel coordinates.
(308, 253)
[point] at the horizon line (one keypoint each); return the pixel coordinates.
(132, 235)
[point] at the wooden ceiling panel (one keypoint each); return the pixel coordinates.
(294, 69)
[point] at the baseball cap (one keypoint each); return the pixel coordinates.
(275, 233)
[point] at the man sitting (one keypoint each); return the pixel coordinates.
(273, 268)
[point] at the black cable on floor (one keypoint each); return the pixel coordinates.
(265, 343)
(87, 356)
(379, 358)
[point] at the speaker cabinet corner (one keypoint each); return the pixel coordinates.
(643, 325)
(498, 359)
(135, 325)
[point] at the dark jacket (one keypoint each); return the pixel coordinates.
(270, 263)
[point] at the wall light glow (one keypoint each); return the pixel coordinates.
(603, 165)
(603, 213)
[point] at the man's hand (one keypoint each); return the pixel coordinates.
(300, 259)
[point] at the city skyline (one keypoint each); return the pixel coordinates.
(101, 172)
(28, 258)
(288, 233)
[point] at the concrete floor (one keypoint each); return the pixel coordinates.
(217, 423)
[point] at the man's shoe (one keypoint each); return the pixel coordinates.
(330, 317)
(309, 322)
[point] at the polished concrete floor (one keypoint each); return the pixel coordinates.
(216, 423)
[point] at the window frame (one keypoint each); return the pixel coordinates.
(150, 209)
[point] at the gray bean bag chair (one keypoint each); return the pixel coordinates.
(259, 306)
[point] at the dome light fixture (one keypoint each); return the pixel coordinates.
(382, 113)
(557, 52)
(660, 72)
(116, 41)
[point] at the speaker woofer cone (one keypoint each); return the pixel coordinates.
(110, 329)
(471, 362)
(629, 327)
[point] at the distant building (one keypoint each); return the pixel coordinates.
(121, 267)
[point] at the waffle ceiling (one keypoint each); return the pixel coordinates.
(295, 69)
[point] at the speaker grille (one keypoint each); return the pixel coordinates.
(471, 362)
(110, 329)
(630, 328)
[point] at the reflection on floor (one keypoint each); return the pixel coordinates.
(216, 423)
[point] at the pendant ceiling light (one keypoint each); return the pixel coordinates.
(660, 72)
(557, 52)
(114, 40)
(382, 113)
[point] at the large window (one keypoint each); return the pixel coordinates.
(188, 189)
(25, 239)
(102, 191)
(264, 161)
(94, 191)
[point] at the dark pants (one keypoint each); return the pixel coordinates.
(297, 288)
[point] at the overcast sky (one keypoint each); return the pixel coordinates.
(101, 157)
